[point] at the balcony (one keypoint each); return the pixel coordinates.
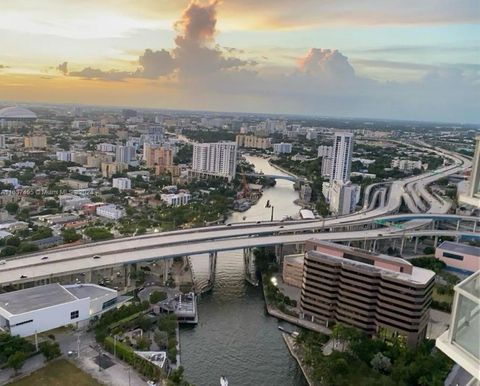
(462, 340)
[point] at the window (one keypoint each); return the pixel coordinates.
(109, 303)
(20, 323)
(452, 256)
(74, 314)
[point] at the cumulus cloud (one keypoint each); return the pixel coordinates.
(323, 82)
(155, 64)
(63, 68)
(327, 63)
(95, 73)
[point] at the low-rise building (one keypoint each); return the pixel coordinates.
(110, 211)
(35, 310)
(122, 183)
(459, 257)
(176, 199)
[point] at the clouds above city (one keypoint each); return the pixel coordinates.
(293, 65)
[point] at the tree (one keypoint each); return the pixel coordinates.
(16, 360)
(381, 363)
(50, 350)
(70, 236)
(11, 207)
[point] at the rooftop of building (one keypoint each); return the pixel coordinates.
(35, 298)
(91, 291)
(460, 248)
(417, 276)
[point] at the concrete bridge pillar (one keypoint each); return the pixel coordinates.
(212, 266)
(374, 247)
(402, 245)
(435, 241)
(474, 225)
(416, 245)
(458, 225)
(88, 276)
(279, 254)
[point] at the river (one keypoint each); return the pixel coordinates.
(235, 337)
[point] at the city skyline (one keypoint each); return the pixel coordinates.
(344, 59)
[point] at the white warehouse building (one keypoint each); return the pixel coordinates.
(43, 308)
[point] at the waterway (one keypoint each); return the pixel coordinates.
(235, 337)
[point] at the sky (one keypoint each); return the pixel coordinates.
(399, 59)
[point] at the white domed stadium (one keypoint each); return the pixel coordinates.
(15, 117)
(17, 113)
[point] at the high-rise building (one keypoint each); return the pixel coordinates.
(282, 148)
(376, 293)
(35, 141)
(343, 197)
(252, 141)
(217, 159)
(125, 154)
(342, 156)
(475, 176)
(461, 342)
(64, 156)
(2, 141)
(158, 157)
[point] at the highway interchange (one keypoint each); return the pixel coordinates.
(413, 191)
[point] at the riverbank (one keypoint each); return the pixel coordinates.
(292, 348)
(272, 311)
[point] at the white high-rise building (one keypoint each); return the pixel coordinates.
(217, 159)
(342, 157)
(343, 197)
(125, 154)
(2, 141)
(282, 148)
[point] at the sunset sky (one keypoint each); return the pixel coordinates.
(371, 58)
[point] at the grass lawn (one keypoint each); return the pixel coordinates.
(58, 373)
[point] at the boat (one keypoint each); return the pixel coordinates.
(223, 381)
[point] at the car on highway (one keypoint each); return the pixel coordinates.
(44, 258)
(96, 256)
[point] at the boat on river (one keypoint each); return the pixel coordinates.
(223, 381)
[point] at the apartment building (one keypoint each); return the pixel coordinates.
(253, 142)
(216, 159)
(376, 293)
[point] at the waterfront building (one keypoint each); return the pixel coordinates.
(461, 342)
(253, 142)
(35, 310)
(293, 270)
(342, 156)
(343, 197)
(282, 148)
(460, 257)
(122, 183)
(376, 293)
(215, 159)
